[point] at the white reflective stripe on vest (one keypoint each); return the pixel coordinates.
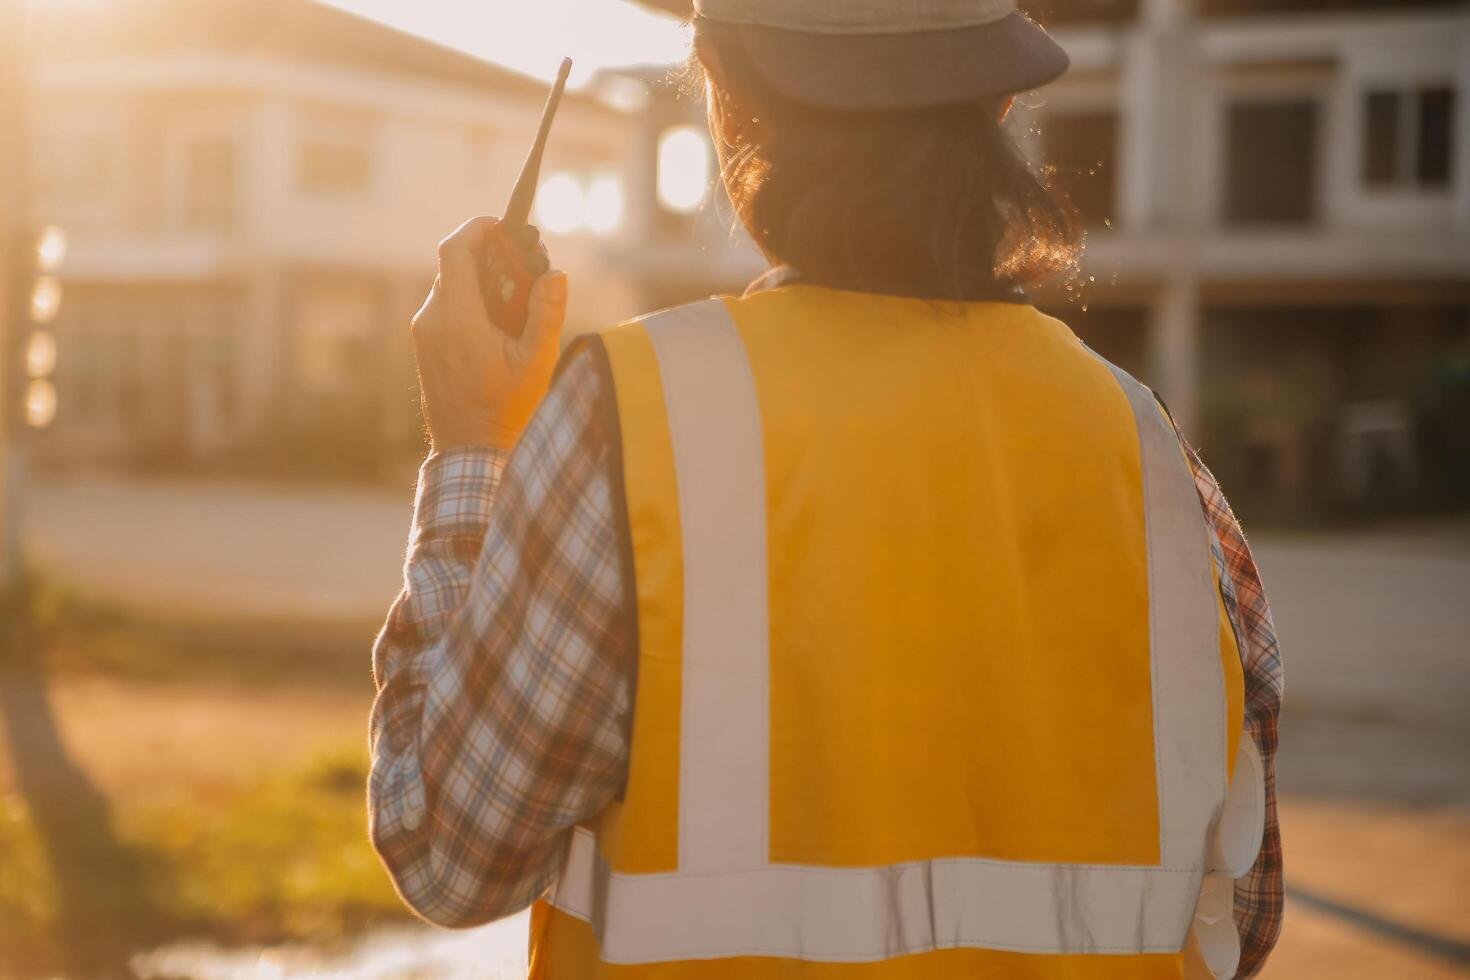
(727, 899)
(719, 465)
(865, 914)
(1188, 688)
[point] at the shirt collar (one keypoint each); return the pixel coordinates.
(773, 278)
(786, 275)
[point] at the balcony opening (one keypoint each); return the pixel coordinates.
(1271, 163)
(334, 157)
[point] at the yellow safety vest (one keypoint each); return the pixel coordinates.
(934, 674)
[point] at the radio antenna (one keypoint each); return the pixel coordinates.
(518, 211)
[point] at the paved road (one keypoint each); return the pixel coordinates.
(1375, 761)
(223, 547)
(1375, 632)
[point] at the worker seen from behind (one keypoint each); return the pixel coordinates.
(866, 624)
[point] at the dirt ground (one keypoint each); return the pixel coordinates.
(190, 738)
(1405, 864)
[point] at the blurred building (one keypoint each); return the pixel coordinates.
(252, 191)
(1278, 198)
(1277, 194)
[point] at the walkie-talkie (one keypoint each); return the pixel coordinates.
(515, 255)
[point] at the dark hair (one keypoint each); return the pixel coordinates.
(933, 202)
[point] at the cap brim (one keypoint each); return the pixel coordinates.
(874, 72)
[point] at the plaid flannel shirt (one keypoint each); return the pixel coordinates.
(505, 670)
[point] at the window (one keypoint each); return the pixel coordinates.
(1083, 147)
(325, 167)
(1436, 136)
(335, 156)
(1271, 161)
(337, 327)
(209, 185)
(1408, 138)
(75, 167)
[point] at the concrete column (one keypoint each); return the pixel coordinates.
(264, 359)
(1168, 192)
(1148, 140)
(1139, 136)
(1174, 329)
(269, 180)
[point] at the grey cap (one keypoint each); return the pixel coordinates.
(891, 54)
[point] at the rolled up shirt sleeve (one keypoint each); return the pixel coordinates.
(504, 667)
(1260, 895)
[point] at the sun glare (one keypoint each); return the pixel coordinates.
(45, 299)
(604, 204)
(51, 249)
(684, 168)
(560, 204)
(532, 38)
(41, 354)
(40, 404)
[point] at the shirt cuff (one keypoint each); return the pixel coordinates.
(396, 798)
(455, 492)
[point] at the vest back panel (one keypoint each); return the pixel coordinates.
(901, 660)
(959, 589)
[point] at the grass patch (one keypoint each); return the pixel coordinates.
(87, 881)
(287, 859)
(28, 902)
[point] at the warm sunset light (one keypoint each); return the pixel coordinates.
(51, 249)
(684, 169)
(560, 204)
(45, 299)
(41, 354)
(783, 496)
(534, 37)
(604, 204)
(40, 403)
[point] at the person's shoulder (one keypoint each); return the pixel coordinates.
(595, 358)
(698, 311)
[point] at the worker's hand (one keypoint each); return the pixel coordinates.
(479, 385)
